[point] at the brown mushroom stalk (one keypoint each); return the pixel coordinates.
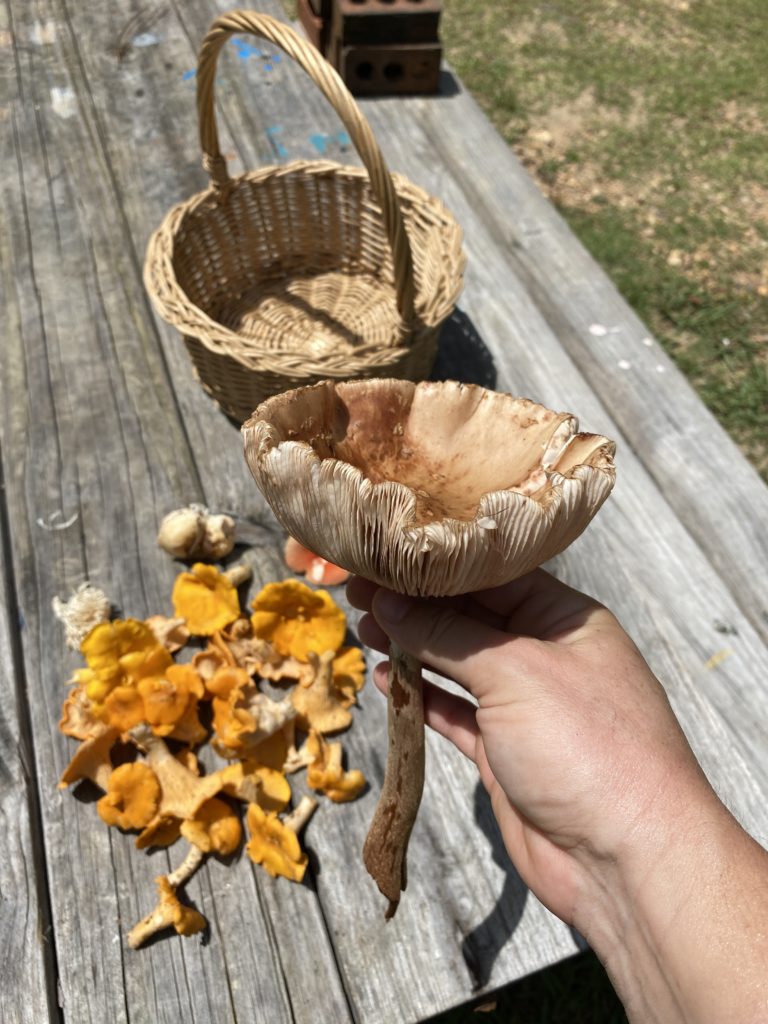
(170, 912)
(431, 490)
(386, 845)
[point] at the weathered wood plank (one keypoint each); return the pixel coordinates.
(664, 564)
(435, 921)
(710, 486)
(27, 957)
(73, 447)
(465, 919)
(448, 901)
(90, 427)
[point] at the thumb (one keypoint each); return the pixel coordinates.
(455, 645)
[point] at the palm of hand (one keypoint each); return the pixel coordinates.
(572, 734)
(530, 730)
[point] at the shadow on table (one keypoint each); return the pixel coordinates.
(448, 85)
(462, 354)
(483, 944)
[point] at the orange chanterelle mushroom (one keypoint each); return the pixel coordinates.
(431, 490)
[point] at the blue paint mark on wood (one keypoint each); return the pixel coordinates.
(278, 147)
(321, 141)
(245, 49)
(187, 75)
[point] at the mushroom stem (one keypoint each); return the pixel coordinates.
(187, 868)
(300, 815)
(295, 759)
(167, 912)
(386, 844)
(238, 574)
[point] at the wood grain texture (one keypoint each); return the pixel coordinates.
(712, 489)
(467, 917)
(91, 431)
(27, 957)
(637, 554)
(102, 416)
(464, 931)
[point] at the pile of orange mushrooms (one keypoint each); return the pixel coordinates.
(256, 685)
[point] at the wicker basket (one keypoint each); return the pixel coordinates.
(306, 271)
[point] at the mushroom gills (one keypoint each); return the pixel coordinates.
(432, 490)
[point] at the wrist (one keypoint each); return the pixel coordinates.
(670, 917)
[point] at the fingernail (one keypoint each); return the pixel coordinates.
(390, 607)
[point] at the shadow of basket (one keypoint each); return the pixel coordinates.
(462, 354)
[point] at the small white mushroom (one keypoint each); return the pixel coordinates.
(181, 531)
(193, 533)
(218, 537)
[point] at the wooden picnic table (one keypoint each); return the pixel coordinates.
(104, 430)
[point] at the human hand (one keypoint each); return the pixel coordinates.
(573, 736)
(602, 806)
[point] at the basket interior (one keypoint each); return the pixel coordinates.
(299, 260)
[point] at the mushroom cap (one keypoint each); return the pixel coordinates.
(77, 717)
(124, 708)
(317, 569)
(431, 489)
(132, 797)
(119, 653)
(206, 599)
(318, 703)
(219, 537)
(186, 920)
(273, 845)
(349, 673)
(181, 531)
(171, 633)
(326, 773)
(167, 698)
(91, 760)
(297, 620)
(215, 828)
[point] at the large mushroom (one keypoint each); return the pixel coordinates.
(430, 489)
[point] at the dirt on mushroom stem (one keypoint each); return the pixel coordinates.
(386, 844)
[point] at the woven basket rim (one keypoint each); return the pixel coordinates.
(174, 305)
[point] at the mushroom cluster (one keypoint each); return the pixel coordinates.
(432, 490)
(141, 715)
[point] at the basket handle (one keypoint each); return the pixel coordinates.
(332, 86)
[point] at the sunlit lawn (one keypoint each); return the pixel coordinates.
(645, 123)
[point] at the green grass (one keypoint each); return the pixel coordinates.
(645, 123)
